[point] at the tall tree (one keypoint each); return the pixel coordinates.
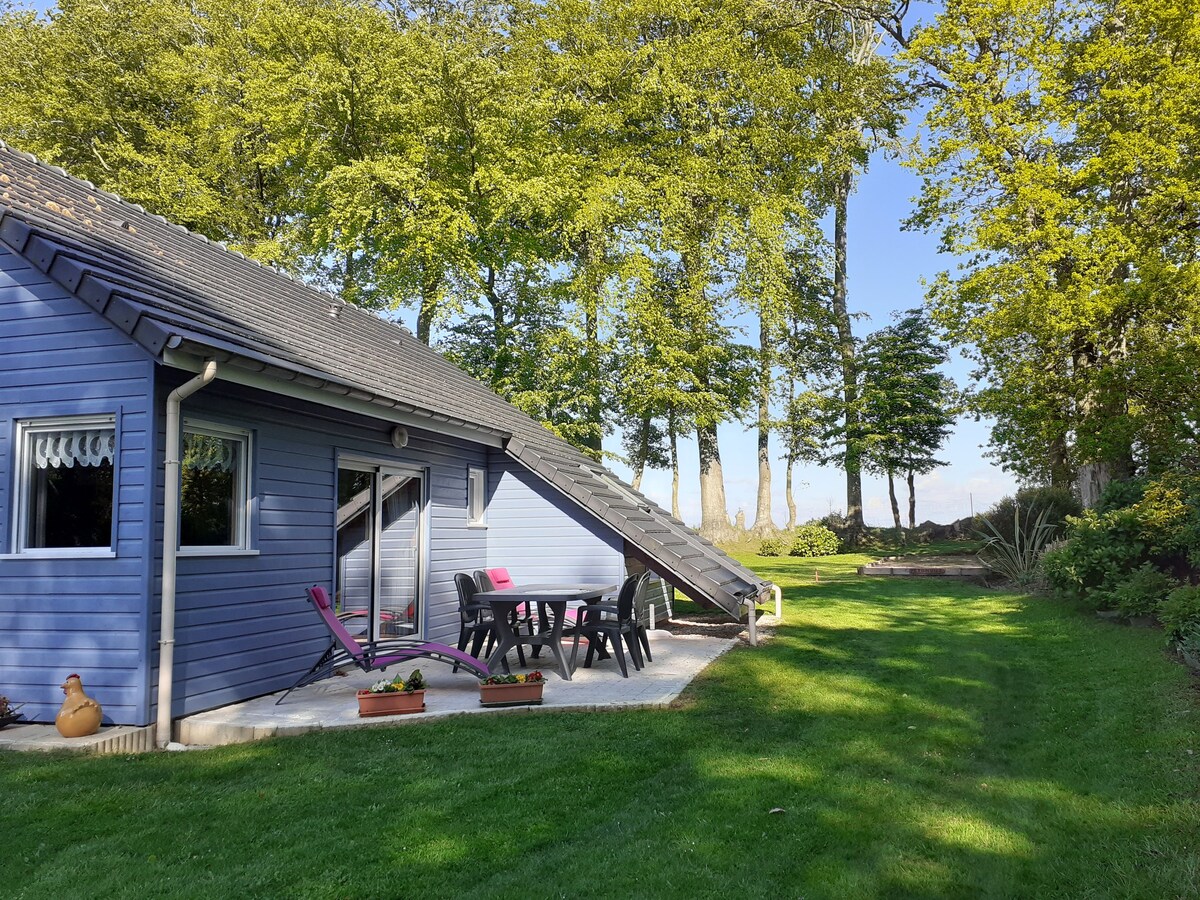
(1062, 168)
(907, 404)
(867, 117)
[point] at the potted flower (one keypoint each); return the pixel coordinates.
(8, 712)
(511, 690)
(395, 697)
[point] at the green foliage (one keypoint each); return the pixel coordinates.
(771, 547)
(1180, 612)
(414, 682)
(1016, 554)
(814, 540)
(1124, 492)
(1140, 592)
(1098, 552)
(1062, 167)
(907, 404)
(1169, 513)
(581, 200)
(1058, 502)
(1108, 556)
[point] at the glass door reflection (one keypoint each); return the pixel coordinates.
(379, 551)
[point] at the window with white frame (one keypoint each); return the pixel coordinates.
(476, 496)
(65, 483)
(215, 488)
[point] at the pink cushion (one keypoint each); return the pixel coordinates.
(501, 579)
(320, 596)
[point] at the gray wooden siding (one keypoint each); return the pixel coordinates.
(61, 615)
(541, 536)
(244, 627)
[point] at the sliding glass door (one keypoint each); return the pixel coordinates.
(380, 546)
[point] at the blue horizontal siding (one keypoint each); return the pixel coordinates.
(83, 614)
(243, 625)
(540, 536)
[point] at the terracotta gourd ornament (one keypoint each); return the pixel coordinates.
(80, 714)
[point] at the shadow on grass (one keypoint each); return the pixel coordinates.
(922, 738)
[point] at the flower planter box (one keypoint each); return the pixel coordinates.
(527, 694)
(391, 703)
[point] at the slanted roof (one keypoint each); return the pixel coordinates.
(175, 293)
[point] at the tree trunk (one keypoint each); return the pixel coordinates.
(1059, 462)
(643, 450)
(593, 406)
(789, 496)
(1096, 411)
(674, 440)
(912, 503)
(762, 510)
(895, 504)
(852, 462)
(714, 512)
(1091, 481)
(502, 357)
(428, 309)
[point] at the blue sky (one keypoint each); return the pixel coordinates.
(885, 270)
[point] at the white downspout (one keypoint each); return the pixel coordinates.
(171, 492)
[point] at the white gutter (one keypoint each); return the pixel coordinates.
(171, 486)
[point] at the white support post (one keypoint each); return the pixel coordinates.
(752, 621)
(778, 592)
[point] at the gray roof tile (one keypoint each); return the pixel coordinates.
(159, 282)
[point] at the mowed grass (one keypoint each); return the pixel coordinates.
(918, 737)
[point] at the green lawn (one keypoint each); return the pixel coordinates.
(922, 738)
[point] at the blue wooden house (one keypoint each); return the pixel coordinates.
(295, 439)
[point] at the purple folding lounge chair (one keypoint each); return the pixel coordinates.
(370, 656)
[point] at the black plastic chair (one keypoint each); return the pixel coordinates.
(641, 616)
(612, 622)
(475, 620)
(484, 581)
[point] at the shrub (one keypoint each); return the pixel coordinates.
(1180, 612)
(1099, 553)
(1141, 591)
(1190, 641)
(1125, 555)
(1016, 552)
(1119, 494)
(814, 540)
(1169, 513)
(771, 547)
(1057, 502)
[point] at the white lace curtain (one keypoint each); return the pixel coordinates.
(74, 447)
(210, 453)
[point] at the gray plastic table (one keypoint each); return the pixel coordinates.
(553, 597)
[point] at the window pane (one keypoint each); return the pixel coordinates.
(210, 502)
(475, 496)
(70, 488)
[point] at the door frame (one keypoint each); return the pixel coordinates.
(381, 468)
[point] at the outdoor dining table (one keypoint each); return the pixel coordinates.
(552, 597)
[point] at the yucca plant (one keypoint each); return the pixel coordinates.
(1016, 556)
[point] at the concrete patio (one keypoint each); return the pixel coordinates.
(331, 704)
